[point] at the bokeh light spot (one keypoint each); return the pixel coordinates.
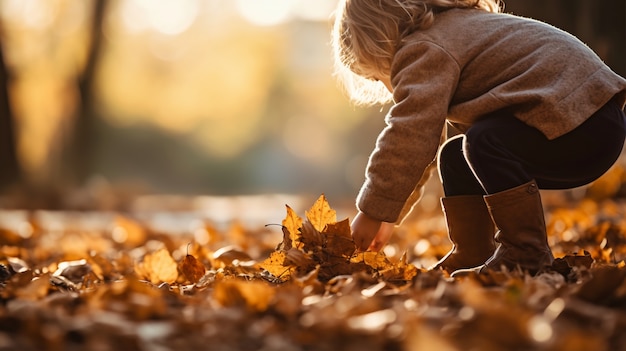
(266, 12)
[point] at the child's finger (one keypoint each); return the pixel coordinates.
(363, 243)
(381, 238)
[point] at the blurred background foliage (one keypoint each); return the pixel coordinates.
(217, 97)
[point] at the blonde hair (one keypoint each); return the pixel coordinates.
(367, 33)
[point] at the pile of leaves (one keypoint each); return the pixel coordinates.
(128, 286)
(322, 247)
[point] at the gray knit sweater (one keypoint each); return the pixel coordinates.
(468, 64)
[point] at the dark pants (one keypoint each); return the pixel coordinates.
(500, 152)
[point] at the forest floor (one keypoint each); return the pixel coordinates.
(123, 280)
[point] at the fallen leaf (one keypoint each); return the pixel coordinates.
(191, 268)
(229, 255)
(37, 288)
(320, 214)
(602, 286)
(256, 296)
(291, 226)
(339, 239)
(73, 270)
(311, 238)
(275, 264)
(158, 267)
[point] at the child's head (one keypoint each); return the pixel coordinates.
(367, 33)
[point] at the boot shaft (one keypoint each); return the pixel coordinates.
(523, 242)
(517, 211)
(467, 219)
(471, 231)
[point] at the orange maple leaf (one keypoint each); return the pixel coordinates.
(320, 214)
(321, 243)
(277, 266)
(291, 227)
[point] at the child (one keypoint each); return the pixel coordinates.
(537, 109)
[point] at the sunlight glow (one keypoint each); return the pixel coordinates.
(275, 12)
(374, 321)
(306, 138)
(170, 17)
(540, 329)
(265, 12)
(318, 10)
(33, 13)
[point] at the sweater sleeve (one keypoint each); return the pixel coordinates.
(424, 77)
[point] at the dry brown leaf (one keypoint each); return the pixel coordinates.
(191, 268)
(584, 261)
(73, 270)
(158, 267)
(256, 296)
(602, 286)
(313, 291)
(311, 238)
(341, 228)
(295, 257)
(329, 251)
(339, 239)
(229, 255)
(35, 289)
(311, 282)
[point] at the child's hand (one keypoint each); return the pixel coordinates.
(369, 233)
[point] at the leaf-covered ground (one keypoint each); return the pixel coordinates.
(111, 281)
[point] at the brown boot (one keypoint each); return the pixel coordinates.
(470, 230)
(522, 237)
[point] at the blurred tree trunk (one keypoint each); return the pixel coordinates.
(610, 23)
(82, 143)
(9, 165)
(600, 24)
